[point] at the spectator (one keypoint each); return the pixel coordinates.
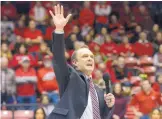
(144, 44)
(38, 13)
(33, 37)
(47, 83)
(120, 102)
(147, 99)
(114, 25)
(26, 80)
(9, 10)
(44, 50)
(157, 86)
(102, 10)
(69, 42)
(22, 51)
(158, 41)
(158, 60)
(5, 51)
(86, 16)
(76, 30)
(8, 86)
(39, 114)
(135, 37)
(155, 114)
(155, 30)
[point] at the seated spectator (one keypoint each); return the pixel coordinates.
(19, 30)
(26, 80)
(69, 42)
(44, 50)
(39, 114)
(135, 35)
(38, 13)
(86, 16)
(155, 114)
(147, 99)
(33, 37)
(120, 101)
(102, 10)
(126, 49)
(158, 41)
(114, 25)
(158, 61)
(8, 85)
(5, 51)
(21, 51)
(47, 83)
(76, 30)
(155, 30)
(9, 10)
(108, 46)
(144, 44)
(157, 86)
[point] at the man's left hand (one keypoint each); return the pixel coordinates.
(109, 99)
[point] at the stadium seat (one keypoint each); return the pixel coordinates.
(5, 114)
(23, 114)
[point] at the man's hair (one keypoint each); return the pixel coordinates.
(74, 55)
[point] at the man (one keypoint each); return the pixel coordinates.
(8, 86)
(147, 99)
(26, 81)
(47, 83)
(79, 98)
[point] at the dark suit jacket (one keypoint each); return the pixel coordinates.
(73, 87)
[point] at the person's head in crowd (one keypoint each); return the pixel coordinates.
(155, 114)
(127, 9)
(38, 4)
(4, 47)
(114, 19)
(39, 114)
(138, 29)
(78, 44)
(145, 85)
(25, 62)
(88, 38)
(73, 37)
(32, 25)
(108, 38)
(92, 32)
(159, 78)
(125, 39)
(102, 66)
(155, 28)
(45, 99)
(127, 89)
(117, 89)
(4, 63)
(43, 47)
(47, 61)
(121, 62)
(75, 29)
(103, 31)
(122, 30)
(159, 36)
(86, 4)
(98, 59)
(142, 9)
(160, 49)
(143, 36)
(98, 74)
(20, 24)
(21, 48)
(83, 60)
(4, 37)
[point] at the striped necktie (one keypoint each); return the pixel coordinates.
(95, 103)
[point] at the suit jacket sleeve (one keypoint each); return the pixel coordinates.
(59, 61)
(108, 112)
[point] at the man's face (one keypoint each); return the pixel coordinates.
(160, 79)
(4, 63)
(85, 61)
(146, 86)
(26, 64)
(32, 25)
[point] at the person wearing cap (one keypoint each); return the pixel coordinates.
(26, 80)
(47, 83)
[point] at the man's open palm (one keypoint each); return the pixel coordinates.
(58, 18)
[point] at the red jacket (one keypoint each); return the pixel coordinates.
(47, 80)
(26, 82)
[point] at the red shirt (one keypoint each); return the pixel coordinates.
(146, 102)
(107, 48)
(9, 11)
(33, 35)
(19, 31)
(48, 35)
(26, 89)
(125, 48)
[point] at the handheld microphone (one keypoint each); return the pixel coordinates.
(107, 80)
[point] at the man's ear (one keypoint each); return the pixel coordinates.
(74, 63)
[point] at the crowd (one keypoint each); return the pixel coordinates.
(125, 37)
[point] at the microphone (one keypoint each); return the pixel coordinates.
(106, 78)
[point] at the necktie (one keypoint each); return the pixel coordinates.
(95, 103)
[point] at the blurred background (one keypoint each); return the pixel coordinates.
(125, 37)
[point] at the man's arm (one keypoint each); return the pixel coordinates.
(58, 47)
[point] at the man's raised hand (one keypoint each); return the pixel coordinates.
(58, 18)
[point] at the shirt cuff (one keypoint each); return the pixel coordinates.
(59, 32)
